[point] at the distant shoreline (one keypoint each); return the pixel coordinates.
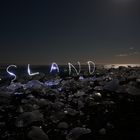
(98, 65)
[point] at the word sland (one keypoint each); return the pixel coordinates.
(54, 68)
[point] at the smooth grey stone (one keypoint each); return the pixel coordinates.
(37, 133)
(27, 118)
(75, 133)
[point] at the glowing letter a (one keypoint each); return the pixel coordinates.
(54, 67)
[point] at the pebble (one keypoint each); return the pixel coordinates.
(63, 125)
(112, 85)
(27, 118)
(36, 133)
(33, 84)
(75, 133)
(102, 131)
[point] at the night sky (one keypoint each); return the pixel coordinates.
(44, 31)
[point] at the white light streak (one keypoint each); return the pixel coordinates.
(54, 67)
(89, 67)
(29, 71)
(11, 73)
(72, 66)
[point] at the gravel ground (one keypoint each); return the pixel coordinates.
(99, 107)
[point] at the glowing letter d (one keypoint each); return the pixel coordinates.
(89, 67)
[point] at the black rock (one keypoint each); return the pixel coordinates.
(75, 133)
(133, 91)
(112, 85)
(63, 125)
(36, 133)
(27, 118)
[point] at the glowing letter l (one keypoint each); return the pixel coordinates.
(29, 71)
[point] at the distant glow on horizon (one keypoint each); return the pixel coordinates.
(108, 66)
(11, 73)
(72, 66)
(54, 67)
(89, 66)
(29, 71)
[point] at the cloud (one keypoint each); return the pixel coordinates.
(133, 52)
(122, 55)
(136, 53)
(129, 54)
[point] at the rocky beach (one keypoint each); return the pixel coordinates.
(102, 106)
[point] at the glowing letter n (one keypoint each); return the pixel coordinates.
(72, 66)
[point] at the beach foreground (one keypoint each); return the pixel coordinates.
(105, 105)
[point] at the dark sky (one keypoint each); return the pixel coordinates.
(43, 31)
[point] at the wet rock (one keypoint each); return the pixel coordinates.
(98, 79)
(97, 94)
(75, 133)
(20, 109)
(106, 103)
(39, 76)
(121, 89)
(58, 105)
(81, 78)
(123, 80)
(80, 104)
(42, 102)
(27, 118)
(30, 107)
(79, 93)
(18, 93)
(63, 125)
(5, 97)
(71, 111)
(133, 91)
(132, 78)
(102, 131)
(36, 133)
(138, 80)
(2, 124)
(98, 88)
(112, 85)
(34, 84)
(57, 116)
(110, 125)
(30, 96)
(14, 86)
(52, 82)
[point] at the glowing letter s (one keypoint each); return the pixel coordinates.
(29, 71)
(11, 73)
